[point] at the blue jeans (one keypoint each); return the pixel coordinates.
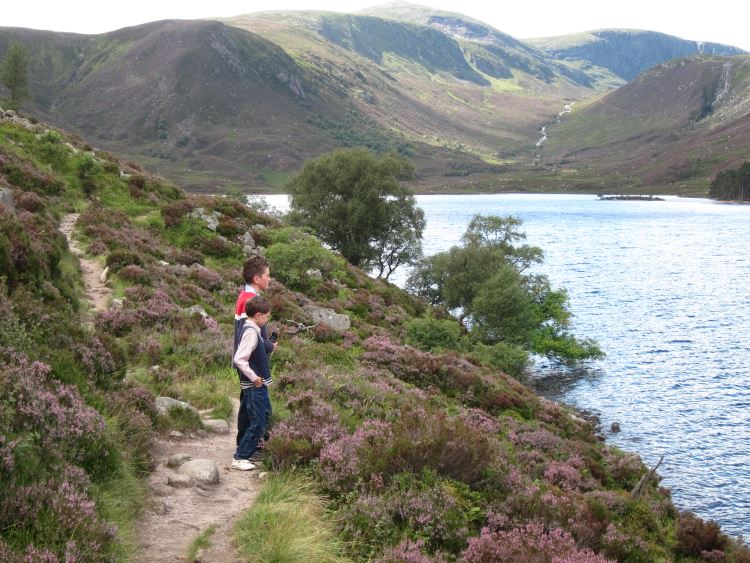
(255, 410)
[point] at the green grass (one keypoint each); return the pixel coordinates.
(202, 541)
(287, 523)
(119, 499)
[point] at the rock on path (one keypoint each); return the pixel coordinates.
(175, 516)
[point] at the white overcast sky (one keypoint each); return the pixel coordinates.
(722, 21)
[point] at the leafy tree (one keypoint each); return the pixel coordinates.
(353, 201)
(15, 74)
(484, 281)
(732, 185)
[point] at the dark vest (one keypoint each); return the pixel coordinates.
(259, 358)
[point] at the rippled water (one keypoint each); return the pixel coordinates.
(663, 287)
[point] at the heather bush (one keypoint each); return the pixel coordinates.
(134, 274)
(52, 415)
(531, 543)
(408, 551)
(695, 536)
(175, 211)
(31, 202)
(25, 258)
(206, 278)
(102, 359)
(440, 512)
(119, 258)
(452, 374)
(433, 334)
(219, 247)
(28, 177)
(312, 426)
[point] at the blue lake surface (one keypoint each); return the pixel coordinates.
(663, 286)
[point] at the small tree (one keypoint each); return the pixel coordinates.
(353, 201)
(485, 282)
(15, 75)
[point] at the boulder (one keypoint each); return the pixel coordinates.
(211, 219)
(202, 471)
(6, 200)
(103, 275)
(196, 309)
(217, 426)
(177, 460)
(163, 404)
(315, 274)
(116, 304)
(328, 317)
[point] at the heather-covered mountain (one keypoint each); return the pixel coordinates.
(244, 102)
(625, 53)
(675, 127)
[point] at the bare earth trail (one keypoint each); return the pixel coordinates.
(97, 291)
(177, 515)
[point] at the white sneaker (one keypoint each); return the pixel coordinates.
(242, 464)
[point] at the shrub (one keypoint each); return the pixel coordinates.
(433, 334)
(695, 536)
(30, 202)
(290, 262)
(528, 543)
(506, 357)
(121, 257)
(174, 212)
(219, 247)
(314, 424)
(134, 274)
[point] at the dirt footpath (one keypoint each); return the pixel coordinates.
(175, 516)
(97, 291)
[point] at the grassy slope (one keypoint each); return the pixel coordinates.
(416, 451)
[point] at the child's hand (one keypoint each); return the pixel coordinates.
(258, 382)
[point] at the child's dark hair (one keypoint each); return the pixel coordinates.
(254, 266)
(257, 305)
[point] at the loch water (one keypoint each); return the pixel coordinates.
(663, 287)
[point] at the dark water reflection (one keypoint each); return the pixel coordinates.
(663, 287)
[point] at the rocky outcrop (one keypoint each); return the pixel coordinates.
(327, 317)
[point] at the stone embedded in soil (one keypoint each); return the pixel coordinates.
(178, 459)
(163, 404)
(217, 426)
(180, 481)
(203, 471)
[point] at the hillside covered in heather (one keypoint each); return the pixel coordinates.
(410, 451)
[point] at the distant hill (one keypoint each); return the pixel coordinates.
(674, 127)
(244, 101)
(626, 53)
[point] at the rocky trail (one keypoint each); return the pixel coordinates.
(194, 488)
(94, 276)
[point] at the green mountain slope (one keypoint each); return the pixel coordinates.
(673, 128)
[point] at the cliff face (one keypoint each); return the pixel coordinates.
(627, 53)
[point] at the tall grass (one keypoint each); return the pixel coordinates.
(287, 523)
